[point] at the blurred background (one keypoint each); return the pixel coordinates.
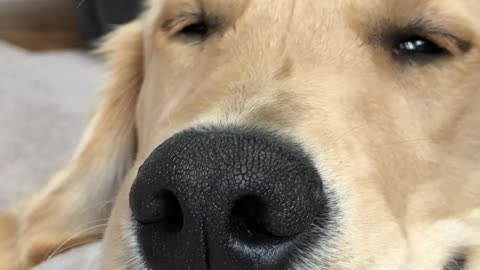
(48, 81)
(48, 87)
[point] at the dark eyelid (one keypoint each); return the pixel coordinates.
(427, 27)
(185, 17)
(463, 45)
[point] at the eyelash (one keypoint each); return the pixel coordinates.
(196, 30)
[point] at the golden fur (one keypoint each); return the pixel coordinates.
(397, 143)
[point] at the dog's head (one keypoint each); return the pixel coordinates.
(300, 135)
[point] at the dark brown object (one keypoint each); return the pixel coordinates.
(39, 24)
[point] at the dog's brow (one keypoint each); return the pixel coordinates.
(182, 18)
(428, 26)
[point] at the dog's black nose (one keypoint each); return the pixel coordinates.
(222, 200)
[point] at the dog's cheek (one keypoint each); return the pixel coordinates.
(118, 238)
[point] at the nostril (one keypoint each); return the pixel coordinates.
(207, 199)
(248, 220)
(161, 208)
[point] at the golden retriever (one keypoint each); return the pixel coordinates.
(275, 134)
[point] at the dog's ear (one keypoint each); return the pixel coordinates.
(8, 228)
(74, 207)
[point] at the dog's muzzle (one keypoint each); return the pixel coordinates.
(237, 200)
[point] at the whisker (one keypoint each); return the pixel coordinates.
(84, 210)
(348, 133)
(56, 251)
(68, 247)
(400, 142)
(129, 264)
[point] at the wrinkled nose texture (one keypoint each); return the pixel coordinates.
(210, 199)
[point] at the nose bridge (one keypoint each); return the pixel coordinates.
(293, 52)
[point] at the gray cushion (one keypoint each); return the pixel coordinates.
(45, 102)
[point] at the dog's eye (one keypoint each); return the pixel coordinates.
(197, 30)
(416, 46)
